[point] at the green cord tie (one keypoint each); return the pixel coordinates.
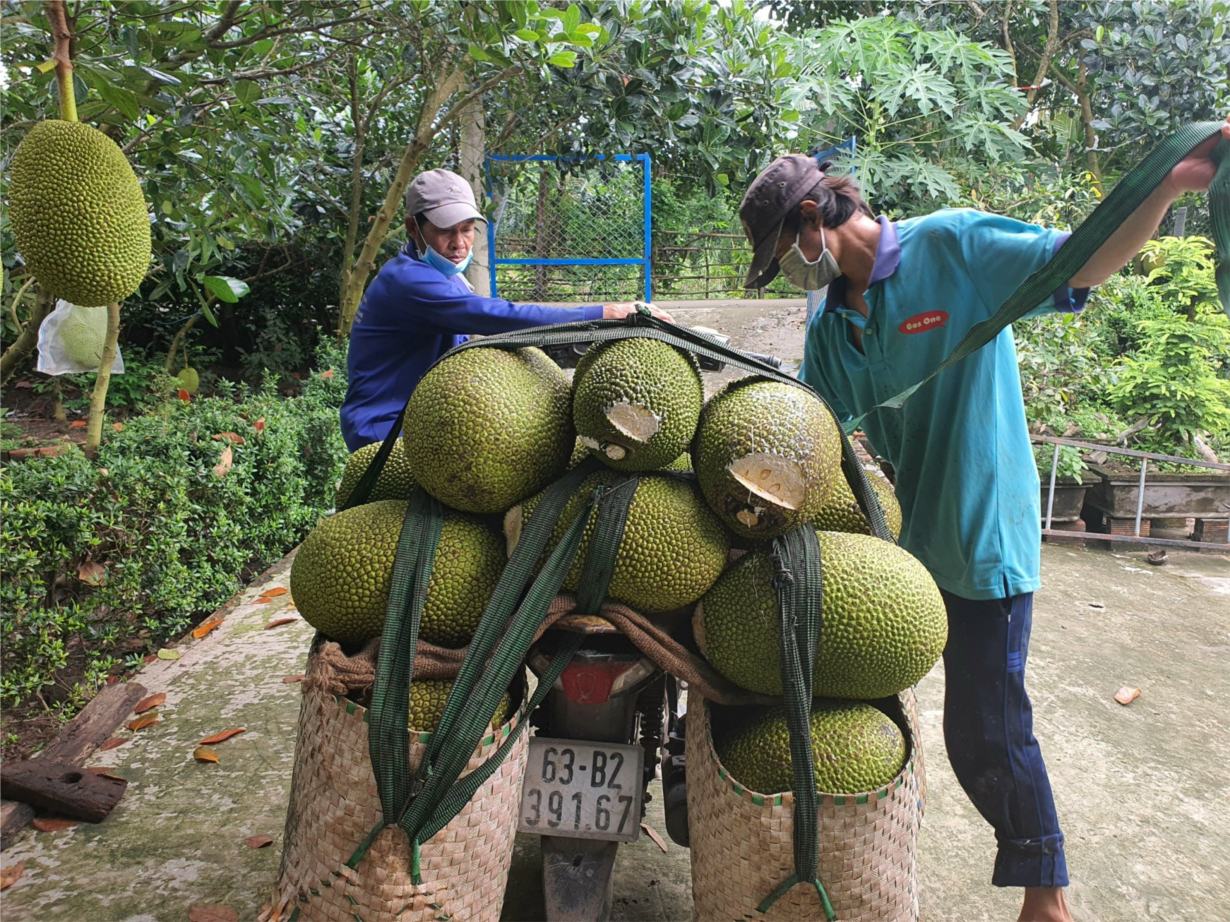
(359, 852)
(790, 881)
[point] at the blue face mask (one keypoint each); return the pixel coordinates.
(444, 265)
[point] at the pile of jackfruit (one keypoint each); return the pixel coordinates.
(487, 430)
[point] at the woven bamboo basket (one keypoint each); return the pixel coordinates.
(334, 805)
(742, 848)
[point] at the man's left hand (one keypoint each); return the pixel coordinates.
(1195, 171)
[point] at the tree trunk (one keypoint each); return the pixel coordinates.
(1044, 63)
(542, 242)
(98, 397)
(473, 161)
(356, 180)
(1091, 136)
(24, 344)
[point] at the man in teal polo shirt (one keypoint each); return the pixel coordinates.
(900, 297)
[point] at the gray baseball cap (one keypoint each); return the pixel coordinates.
(443, 196)
(772, 194)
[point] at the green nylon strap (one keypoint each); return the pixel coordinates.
(796, 556)
(388, 730)
(604, 545)
(363, 489)
(1127, 196)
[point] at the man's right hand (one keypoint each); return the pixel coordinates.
(620, 311)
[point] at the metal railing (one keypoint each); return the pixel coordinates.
(1145, 457)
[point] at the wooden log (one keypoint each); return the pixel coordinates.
(95, 723)
(87, 731)
(13, 818)
(62, 787)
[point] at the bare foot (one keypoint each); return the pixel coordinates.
(1044, 904)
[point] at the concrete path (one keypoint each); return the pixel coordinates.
(1142, 790)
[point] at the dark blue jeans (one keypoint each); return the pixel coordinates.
(988, 728)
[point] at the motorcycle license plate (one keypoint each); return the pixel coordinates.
(583, 790)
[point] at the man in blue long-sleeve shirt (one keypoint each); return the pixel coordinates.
(420, 305)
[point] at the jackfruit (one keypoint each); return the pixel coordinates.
(884, 622)
(342, 574)
(842, 513)
(189, 379)
(78, 214)
(394, 482)
(673, 548)
(428, 698)
(682, 463)
(487, 427)
(767, 456)
(856, 748)
(83, 334)
(635, 402)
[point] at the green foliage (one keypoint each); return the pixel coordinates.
(1057, 366)
(1181, 272)
(174, 537)
(1173, 380)
(918, 101)
(1070, 465)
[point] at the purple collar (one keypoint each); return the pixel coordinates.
(887, 259)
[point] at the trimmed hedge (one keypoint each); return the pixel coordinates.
(155, 532)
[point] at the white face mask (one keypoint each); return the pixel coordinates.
(809, 276)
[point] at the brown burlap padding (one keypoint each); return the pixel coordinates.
(668, 653)
(354, 675)
(334, 805)
(742, 842)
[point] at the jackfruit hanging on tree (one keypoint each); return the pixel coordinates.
(767, 456)
(636, 402)
(343, 571)
(673, 548)
(486, 427)
(78, 214)
(856, 748)
(884, 622)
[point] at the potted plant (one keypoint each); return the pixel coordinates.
(1069, 481)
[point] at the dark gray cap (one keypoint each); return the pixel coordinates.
(771, 195)
(443, 196)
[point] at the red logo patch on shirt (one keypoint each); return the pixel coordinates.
(921, 323)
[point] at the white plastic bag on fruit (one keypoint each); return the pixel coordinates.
(70, 341)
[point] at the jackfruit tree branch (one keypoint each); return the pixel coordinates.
(98, 397)
(63, 58)
(428, 128)
(24, 344)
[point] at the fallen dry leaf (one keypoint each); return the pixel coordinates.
(152, 701)
(145, 720)
(93, 573)
(77, 424)
(259, 425)
(258, 841)
(204, 754)
(11, 874)
(274, 592)
(167, 653)
(292, 679)
(112, 743)
(184, 396)
(219, 737)
(104, 771)
(51, 823)
(278, 622)
(653, 834)
(327, 374)
(118, 427)
(1127, 695)
(232, 437)
(215, 913)
(203, 629)
(224, 465)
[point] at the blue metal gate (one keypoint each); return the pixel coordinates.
(570, 230)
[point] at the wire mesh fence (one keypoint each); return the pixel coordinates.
(691, 265)
(569, 230)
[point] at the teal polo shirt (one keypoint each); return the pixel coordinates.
(965, 473)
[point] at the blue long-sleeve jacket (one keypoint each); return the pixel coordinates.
(411, 315)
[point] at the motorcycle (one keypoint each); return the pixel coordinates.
(608, 726)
